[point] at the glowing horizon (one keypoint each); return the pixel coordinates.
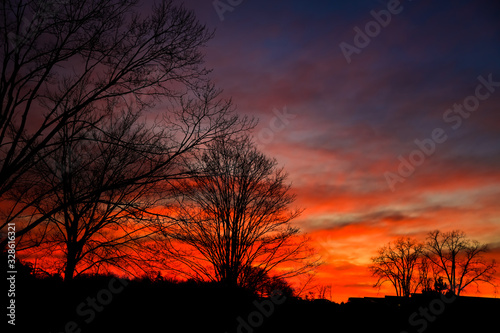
(349, 122)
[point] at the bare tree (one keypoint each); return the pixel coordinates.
(325, 292)
(398, 263)
(99, 220)
(234, 217)
(106, 188)
(68, 64)
(426, 274)
(460, 260)
(259, 281)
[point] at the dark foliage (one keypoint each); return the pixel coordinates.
(48, 305)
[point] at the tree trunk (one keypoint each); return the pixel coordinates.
(69, 270)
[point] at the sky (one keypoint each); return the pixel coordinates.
(386, 115)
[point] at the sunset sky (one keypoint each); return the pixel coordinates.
(346, 126)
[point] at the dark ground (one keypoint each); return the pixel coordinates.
(105, 304)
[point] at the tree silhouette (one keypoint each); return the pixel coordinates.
(459, 259)
(440, 285)
(426, 274)
(259, 281)
(398, 263)
(101, 218)
(70, 64)
(235, 217)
